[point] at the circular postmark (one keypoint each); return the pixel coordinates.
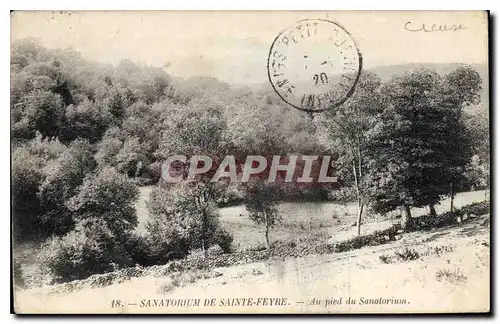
(314, 65)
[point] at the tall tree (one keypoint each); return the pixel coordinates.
(479, 168)
(178, 223)
(261, 199)
(418, 147)
(197, 128)
(345, 132)
(460, 89)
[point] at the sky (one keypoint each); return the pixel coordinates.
(233, 46)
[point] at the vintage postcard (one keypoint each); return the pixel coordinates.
(250, 162)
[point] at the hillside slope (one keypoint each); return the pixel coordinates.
(427, 271)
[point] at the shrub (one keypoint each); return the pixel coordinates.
(138, 248)
(385, 258)
(169, 235)
(343, 195)
(131, 159)
(376, 238)
(400, 256)
(480, 208)
(261, 200)
(258, 248)
(46, 148)
(63, 177)
(18, 274)
(39, 111)
(440, 250)
(449, 218)
(407, 254)
(154, 171)
(91, 248)
(107, 149)
(223, 238)
(179, 223)
(26, 179)
(109, 196)
(450, 275)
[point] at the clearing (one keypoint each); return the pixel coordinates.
(441, 270)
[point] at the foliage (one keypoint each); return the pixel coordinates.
(63, 177)
(89, 120)
(480, 208)
(89, 249)
(144, 122)
(108, 196)
(40, 111)
(343, 195)
(26, 179)
(254, 127)
(81, 128)
(403, 255)
(107, 150)
(46, 148)
(195, 129)
(138, 247)
(57, 93)
(407, 254)
(420, 144)
(18, 274)
(346, 131)
(454, 276)
(179, 222)
(376, 238)
(223, 238)
(478, 171)
(131, 159)
(261, 199)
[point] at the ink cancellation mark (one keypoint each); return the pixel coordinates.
(314, 65)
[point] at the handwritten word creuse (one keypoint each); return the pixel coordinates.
(433, 28)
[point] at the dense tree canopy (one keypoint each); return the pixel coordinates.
(420, 145)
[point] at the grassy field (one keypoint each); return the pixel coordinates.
(330, 220)
(437, 270)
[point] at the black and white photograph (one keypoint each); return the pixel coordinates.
(250, 162)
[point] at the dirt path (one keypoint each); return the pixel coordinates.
(451, 273)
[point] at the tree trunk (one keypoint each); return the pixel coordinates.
(204, 248)
(267, 237)
(487, 188)
(268, 245)
(204, 242)
(432, 211)
(358, 222)
(358, 185)
(406, 220)
(360, 204)
(451, 197)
